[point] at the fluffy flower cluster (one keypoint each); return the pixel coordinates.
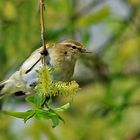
(48, 87)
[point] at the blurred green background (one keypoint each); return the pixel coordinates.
(108, 105)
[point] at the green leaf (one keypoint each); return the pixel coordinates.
(38, 99)
(29, 116)
(96, 17)
(48, 114)
(60, 118)
(44, 114)
(55, 120)
(49, 101)
(23, 115)
(30, 99)
(63, 108)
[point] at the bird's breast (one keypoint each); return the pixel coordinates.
(63, 71)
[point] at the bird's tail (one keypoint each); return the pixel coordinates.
(2, 85)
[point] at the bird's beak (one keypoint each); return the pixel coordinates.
(83, 50)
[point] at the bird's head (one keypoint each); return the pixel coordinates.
(63, 56)
(68, 50)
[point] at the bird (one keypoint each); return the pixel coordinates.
(61, 56)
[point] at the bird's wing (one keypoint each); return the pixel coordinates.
(35, 57)
(31, 61)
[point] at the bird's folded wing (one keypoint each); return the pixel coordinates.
(31, 61)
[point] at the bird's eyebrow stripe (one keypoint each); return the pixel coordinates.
(68, 44)
(71, 44)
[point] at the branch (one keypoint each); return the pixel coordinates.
(42, 31)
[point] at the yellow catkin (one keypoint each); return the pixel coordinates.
(49, 87)
(44, 80)
(66, 88)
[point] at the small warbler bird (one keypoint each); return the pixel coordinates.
(61, 56)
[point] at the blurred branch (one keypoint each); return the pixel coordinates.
(74, 5)
(134, 104)
(101, 72)
(73, 16)
(98, 66)
(86, 9)
(124, 25)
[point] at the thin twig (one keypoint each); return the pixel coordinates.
(42, 30)
(44, 103)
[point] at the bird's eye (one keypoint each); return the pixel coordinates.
(65, 53)
(74, 47)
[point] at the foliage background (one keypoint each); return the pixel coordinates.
(107, 107)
